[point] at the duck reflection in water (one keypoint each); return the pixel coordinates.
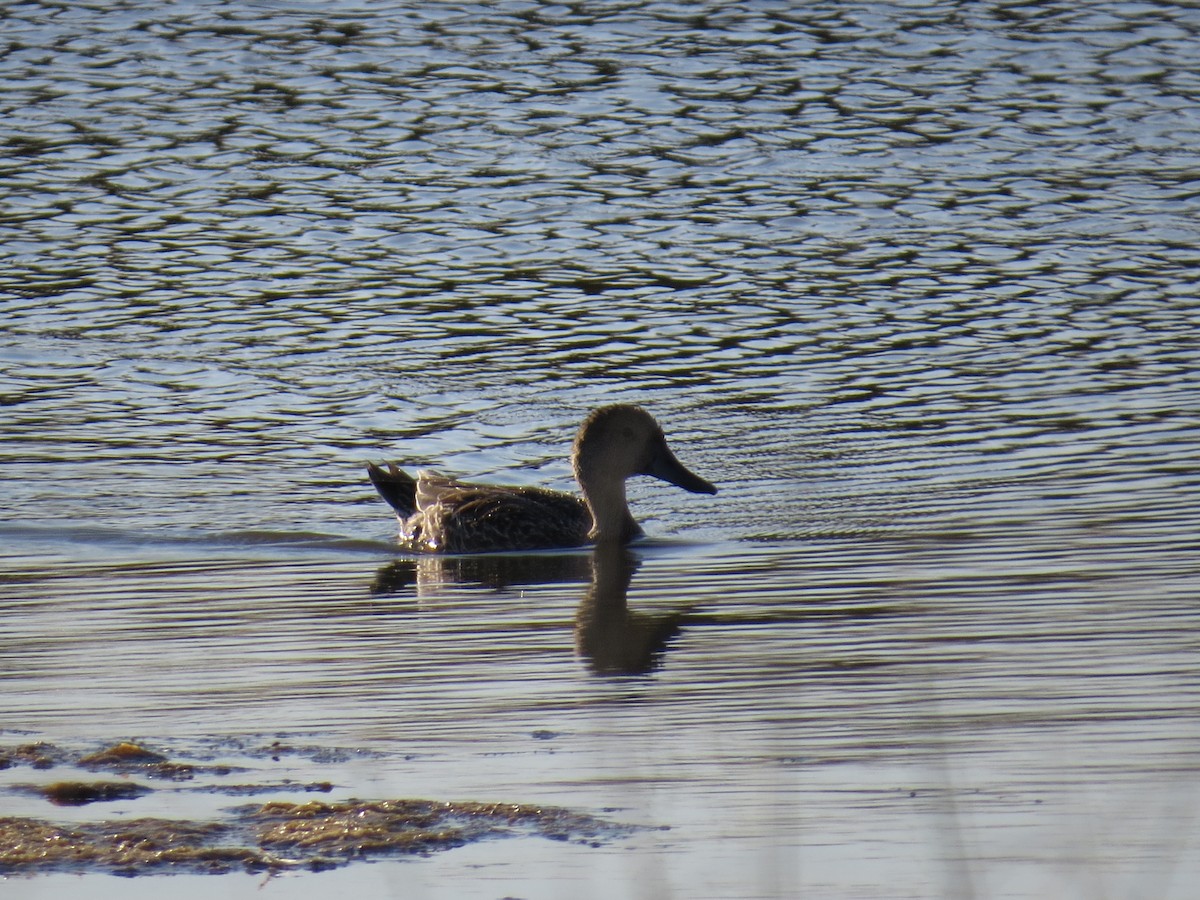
(440, 515)
(609, 637)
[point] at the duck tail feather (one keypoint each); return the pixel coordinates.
(395, 486)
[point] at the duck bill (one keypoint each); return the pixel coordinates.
(671, 470)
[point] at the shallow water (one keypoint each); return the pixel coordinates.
(913, 285)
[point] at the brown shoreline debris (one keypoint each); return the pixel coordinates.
(80, 793)
(274, 836)
(126, 756)
(279, 836)
(123, 757)
(39, 755)
(122, 753)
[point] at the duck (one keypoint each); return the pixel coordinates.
(440, 514)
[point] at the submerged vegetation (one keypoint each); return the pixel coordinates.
(278, 836)
(272, 836)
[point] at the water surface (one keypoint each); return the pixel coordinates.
(914, 285)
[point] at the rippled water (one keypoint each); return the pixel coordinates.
(914, 284)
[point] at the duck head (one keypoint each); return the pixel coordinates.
(614, 443)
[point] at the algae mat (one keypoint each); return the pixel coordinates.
(275, 835)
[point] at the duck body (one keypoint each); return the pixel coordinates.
(444, 515)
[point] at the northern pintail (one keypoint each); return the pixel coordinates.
(443, 515)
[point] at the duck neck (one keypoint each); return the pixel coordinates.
(611, 520)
